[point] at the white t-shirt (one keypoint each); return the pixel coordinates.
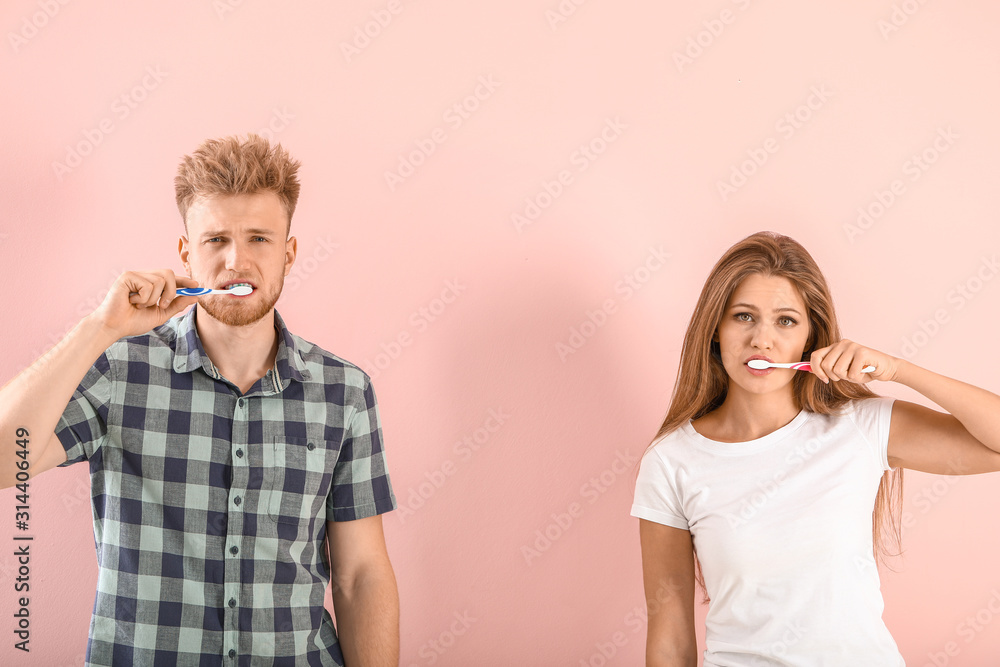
(783, 529)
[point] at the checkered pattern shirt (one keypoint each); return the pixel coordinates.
(210, 506)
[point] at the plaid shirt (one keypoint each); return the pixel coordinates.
(210, 507)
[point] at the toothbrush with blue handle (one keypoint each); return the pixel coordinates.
(239, 290)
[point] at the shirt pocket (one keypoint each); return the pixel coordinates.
(299, 479)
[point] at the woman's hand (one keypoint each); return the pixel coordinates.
(845, 359)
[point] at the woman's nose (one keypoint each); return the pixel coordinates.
(762, 337)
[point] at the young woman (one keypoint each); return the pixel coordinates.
(770, 487)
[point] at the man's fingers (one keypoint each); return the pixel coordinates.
(148, 286)
(179, 304)
(172, 282)
(156, 289)
(139, 290)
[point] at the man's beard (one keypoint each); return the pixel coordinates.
(240, 314)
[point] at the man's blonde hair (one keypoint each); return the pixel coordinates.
(235, 166)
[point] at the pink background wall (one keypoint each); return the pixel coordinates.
(136, 87)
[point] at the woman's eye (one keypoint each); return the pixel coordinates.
(789, 320)
(739, 316)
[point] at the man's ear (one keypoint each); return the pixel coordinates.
(291, 250)
(182, 251)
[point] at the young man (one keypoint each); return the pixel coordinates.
(230, 460)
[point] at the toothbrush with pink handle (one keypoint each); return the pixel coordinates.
(762, 364)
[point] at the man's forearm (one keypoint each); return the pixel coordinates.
(367, 613)
(37, 397)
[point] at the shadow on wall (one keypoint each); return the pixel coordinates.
(521, 521)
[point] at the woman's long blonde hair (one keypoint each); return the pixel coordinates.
(702, 381)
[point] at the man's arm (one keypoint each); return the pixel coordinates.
(365, 598)
(38, 396)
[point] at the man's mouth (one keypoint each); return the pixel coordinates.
(235, 283)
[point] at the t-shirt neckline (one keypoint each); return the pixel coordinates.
(747, 446)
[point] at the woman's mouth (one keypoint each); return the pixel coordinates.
(754, 371)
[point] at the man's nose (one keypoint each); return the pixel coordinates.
(237, 258)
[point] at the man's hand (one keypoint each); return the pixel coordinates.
(140, 301)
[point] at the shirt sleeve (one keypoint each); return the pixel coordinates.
(361, 486)
(872, 417)
(84, 423)
(656, 495)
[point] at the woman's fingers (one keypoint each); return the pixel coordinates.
(845, 360)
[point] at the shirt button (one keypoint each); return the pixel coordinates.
(232, 653)
(241, 402)
(239, 453)
(237, 500)
(310, 446)
(232, 602)
(234, 550)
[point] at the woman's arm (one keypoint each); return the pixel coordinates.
(963, 441)
(668, 579)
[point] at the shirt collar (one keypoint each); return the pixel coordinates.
(190, 355)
